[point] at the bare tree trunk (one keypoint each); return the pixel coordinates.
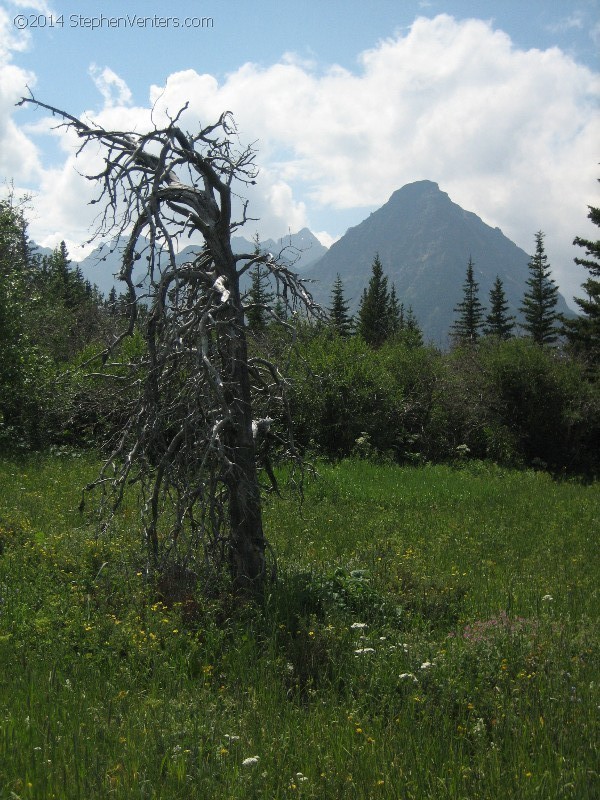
(247, 540)
(187, 441)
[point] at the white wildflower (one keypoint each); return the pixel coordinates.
(300, 777)
(547, 598)
(408, 676)
(231, 737)
(364, 650)
(405, 647)
(426, 665)
(479, 727)
(358, 626)
(249, 762)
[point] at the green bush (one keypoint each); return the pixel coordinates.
(512, 402)
(343, 390)
(546, 403)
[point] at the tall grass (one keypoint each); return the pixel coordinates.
(432, 635)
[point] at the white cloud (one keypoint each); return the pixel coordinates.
(113, 89)
(18, 155)
(509, 134)
(573, 21)
(326, 238)
(35, 5)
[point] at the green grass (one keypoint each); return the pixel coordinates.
(467, 683)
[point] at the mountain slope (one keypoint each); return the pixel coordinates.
(100, 267)
(424, 241)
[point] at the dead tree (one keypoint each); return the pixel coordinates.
(187, 438)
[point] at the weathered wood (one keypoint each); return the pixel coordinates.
(188, 436)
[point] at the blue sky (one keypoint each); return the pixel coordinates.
(496, 101)
(329, 32)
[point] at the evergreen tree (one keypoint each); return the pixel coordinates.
(583, 333)
(280, 311)
(260, 298)
(395, 313)
(340, 320)
(111, 302)
(412, 334)
(23, 369)
(539, 303)
(499, 322)
(373, 313)
(467, 328)
(68, 312)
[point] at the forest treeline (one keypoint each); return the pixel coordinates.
(368, 386)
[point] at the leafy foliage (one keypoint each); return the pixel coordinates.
(509, 401)
(340, 390)
(25, 371)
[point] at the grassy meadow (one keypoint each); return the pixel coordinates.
(432, 634)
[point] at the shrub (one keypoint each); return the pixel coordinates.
(545, 401)
(342, 390)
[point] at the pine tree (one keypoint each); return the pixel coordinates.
(373, 313)
(279, 310)
(257, 311)
(111, 302)
(395, 314)
(583, 333)
(340, 320)
(412, 334)
(467, 328)
(499, 322)
(539, 303)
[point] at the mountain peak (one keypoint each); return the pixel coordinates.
(419, 186)
(417, 192)
(424, 241)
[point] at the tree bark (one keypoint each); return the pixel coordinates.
(247, 541)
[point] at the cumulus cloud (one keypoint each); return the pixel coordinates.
(113, 88)
(18, 155)
(326, 238)
(508, 133)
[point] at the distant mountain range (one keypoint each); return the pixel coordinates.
(102, 266)
(423, 239)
